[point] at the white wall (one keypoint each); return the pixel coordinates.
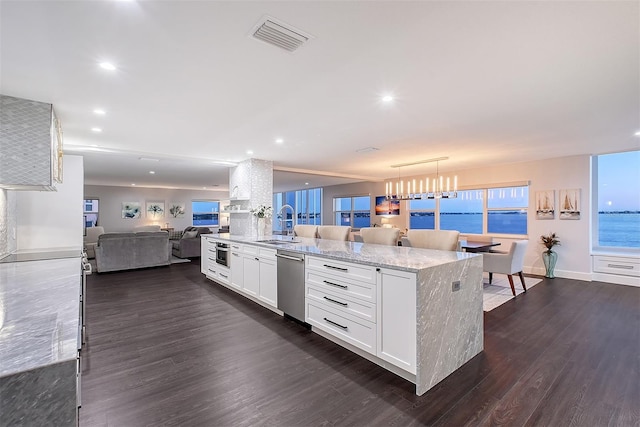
(111, 199)
(52, 219)
(552, 174)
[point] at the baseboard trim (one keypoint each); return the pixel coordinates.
(616, 279)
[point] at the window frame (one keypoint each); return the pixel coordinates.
(352, 211)
(215, 213)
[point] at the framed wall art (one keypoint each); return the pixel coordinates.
(545, 206)
(155, 210)
(569, 204)
(131, 210)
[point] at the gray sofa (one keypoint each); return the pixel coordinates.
(126, 251)
(188, 246)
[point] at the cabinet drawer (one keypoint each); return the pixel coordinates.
(223, 275)
(342, 269)
(360, 333)
(349, 288)
(267, 253)
(616, 265)
(250, 250)
(361, 309)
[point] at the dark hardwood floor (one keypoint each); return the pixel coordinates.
(168, 347)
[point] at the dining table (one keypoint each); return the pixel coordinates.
(471, 246)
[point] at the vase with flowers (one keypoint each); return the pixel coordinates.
(261, 213)
(549, 257)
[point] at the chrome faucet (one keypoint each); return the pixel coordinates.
(283, 219)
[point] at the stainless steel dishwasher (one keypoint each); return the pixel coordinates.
(291, 284)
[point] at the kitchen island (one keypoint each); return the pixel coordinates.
(39, 342)
(415, 312)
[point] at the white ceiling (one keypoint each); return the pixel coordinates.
(478, 81)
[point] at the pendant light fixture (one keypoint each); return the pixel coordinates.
(412, 189)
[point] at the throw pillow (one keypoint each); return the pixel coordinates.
(175, 235)
(190, 234)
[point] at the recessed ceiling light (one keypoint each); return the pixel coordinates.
(97, 130)
(387, 98)
(107, 66)
(133, 184)
(99, 112)
(148, 159)
(204, 188)
(637, 133)
(249, 152)
(306, 183)
(152, 172)
(279, 141)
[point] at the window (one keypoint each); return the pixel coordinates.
(205, 212)
(618, 190)
(352, 211)
(507, 210)
(422, 214)
(306, 204)
(91, 212)
(464, 213)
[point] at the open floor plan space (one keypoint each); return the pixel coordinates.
(166, 346)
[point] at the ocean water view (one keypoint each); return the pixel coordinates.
(619, 229)
(507, 222)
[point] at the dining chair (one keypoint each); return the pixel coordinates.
(380, 236)
(303, 230)
(444, 240)
(334, 232)
(508, 263)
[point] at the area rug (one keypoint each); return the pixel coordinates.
(176, 260)
(499, 292)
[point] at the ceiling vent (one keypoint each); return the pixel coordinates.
(276, 33)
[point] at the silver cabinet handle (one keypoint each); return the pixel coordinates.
(292, 258)
(626, 267)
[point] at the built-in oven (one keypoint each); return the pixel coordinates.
(222, 254)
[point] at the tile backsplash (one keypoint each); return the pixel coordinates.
(7, 222)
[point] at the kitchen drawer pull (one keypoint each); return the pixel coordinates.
(335, 324)
(292, 258)
(211, 259)
(213, 271)
(223, 275)
(626, 267)
(336, 268)
(335, 284)
(235, 254)
(344, 304)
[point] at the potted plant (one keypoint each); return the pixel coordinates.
(262, 212)
(549, 257)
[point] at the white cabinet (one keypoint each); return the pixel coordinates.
(260, 274)
(340, 299)
(204, 249)
(251, 272)
(237, 266)
(268, 291)
(396, 306)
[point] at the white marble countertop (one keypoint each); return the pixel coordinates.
(39, 313)
(396, 257)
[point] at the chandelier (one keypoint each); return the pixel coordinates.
(435, 188)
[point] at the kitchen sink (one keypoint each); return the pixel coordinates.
(277, 242)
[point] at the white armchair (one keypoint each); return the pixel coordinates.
(334, 232)
(444, 240)
(380, 236)
(91, 240)
(302, 230)
(507, 263)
